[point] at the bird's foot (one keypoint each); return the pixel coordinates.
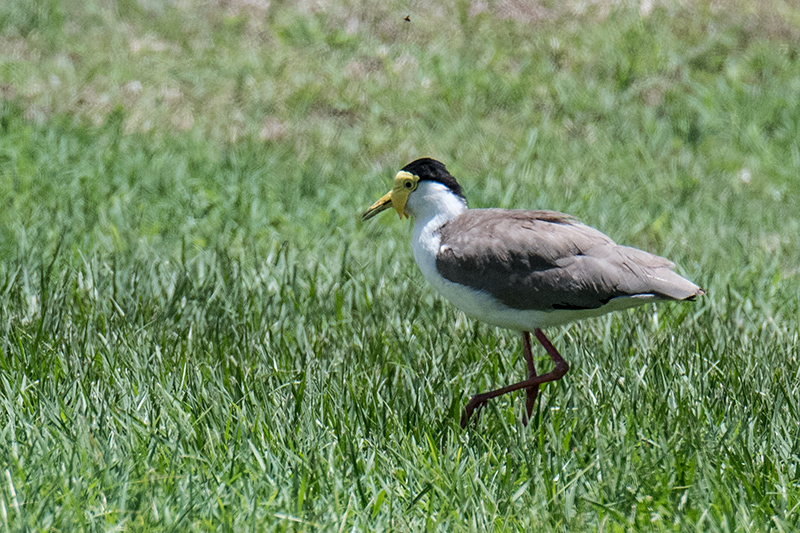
(475, 403)
(532, 393)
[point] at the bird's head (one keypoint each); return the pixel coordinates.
(408, 180)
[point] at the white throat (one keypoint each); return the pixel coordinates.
(432, 200)
(432, 205)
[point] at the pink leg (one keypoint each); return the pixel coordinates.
(557, 373)
(532, 392)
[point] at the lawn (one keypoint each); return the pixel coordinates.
(197, 332)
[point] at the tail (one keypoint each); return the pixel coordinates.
(655, 275)
(672, 286)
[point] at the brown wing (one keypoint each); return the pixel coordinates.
(545, 260)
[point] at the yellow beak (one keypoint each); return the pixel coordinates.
(384, 203)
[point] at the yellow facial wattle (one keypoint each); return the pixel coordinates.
(404, 184)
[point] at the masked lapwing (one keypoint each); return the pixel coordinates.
(521, 270)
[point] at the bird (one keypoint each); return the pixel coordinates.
(523, 270)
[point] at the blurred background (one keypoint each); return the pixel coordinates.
(149, 122)
(199, 332)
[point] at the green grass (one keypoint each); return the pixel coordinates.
(198, 333)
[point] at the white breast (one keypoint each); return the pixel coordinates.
(433, 205)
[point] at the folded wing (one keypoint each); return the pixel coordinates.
(544, 260)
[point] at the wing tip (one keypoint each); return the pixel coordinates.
(692, 297)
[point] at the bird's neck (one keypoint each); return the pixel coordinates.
(436, 206)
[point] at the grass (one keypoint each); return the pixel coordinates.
(198, 333)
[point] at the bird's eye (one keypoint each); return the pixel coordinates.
(408, 184)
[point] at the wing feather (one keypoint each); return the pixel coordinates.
(545, 260)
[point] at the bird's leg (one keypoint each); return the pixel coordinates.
(532, 392)
(557, 373)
